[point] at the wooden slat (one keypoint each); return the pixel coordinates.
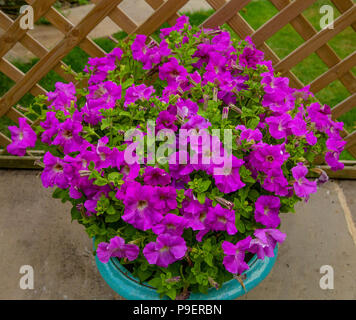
(155, 4)
(73, 37)
(344, 106)
(333, 73)
(35, 47)
(15, 114)
(306, 30)
(16, 75)
(13, 162)
(65, 26)
(4, 140)
(14, 33)
(349, 172)
(344, 5)
(224, 13)
(351, 140)
(121, 19)
(288, 13)
(350, 148)
(316, 41)
(164, 12)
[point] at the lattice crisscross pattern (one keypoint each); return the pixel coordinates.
(226, 12)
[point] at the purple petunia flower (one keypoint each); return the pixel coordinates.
(267, 210)
(139, 207)
(23, 137)
(221, 219)
(68, 135)
(171, 224)
(265, 242)
(166, 250)
(249, 134)
(332, 159)
(166, 120)
(164, 198)
(140, 92)
(63, 97)
(54, 173)
(156, 176)
(279, 125)
(250, 57)
(171, 70)
(235, 255)
(302, 186)
(266, 157)
(227, 179)
(106, 93)
(51, 127)
(116, 248)
(276, 182)
(179, 25)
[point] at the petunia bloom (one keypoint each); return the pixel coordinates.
(221, 219)
(139, 207)
(227, 178)
(166, 250)
(54, 173)
(235, 255)
(267, 210)
(265, 242)
(171, 224)
(302, 186)
(116, 248)
(156, 176)
(23, 137)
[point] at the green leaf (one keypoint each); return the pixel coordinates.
(240, 226)
(205, 185)
(76, 215)
(113, 176)
(253, 123)
(201, 198)
(143, 275)
(172, 293)
(100, 182)
(155, 282)
(58, 193)
(113, 218)
(111, 210)
(129, 82)
(253, 195)
(105, 123)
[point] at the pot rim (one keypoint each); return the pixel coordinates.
(129, 287)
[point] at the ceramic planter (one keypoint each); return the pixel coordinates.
(129, 287)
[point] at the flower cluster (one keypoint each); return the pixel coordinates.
(193, 214)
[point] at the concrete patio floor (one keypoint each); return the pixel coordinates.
(36, 230)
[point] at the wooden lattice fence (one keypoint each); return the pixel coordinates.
(289, 12)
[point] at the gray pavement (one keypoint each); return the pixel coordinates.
(36, 230)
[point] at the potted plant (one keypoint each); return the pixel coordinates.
(178, 157)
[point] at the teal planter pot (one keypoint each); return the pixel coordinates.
(129, 287)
